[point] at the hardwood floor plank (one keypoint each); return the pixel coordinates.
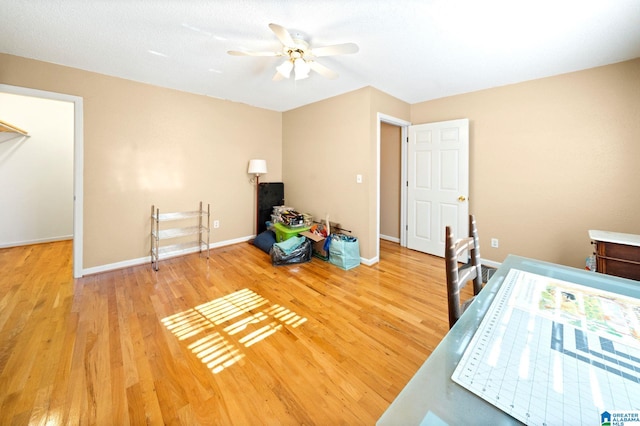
(225, 340)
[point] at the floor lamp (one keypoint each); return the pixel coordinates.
(257, 168)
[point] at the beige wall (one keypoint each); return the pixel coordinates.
(147, 145)
(551, 159)
(390, 176)
(325, 145)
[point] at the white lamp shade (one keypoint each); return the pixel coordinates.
(257, 167)
(301, 69)
(285, 68)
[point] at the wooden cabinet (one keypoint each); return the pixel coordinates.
(617, 254)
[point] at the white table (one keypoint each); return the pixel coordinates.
(432, 397)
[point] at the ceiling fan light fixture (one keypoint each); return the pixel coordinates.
(300, 56)
(302, 69)
(285, 68)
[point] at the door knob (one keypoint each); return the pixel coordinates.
(461, 198)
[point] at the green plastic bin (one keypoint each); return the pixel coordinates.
(283, 232)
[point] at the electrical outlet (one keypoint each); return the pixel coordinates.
(494, 242)
(358, 178)
(216, 224)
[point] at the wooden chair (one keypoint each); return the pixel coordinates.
(459, 275)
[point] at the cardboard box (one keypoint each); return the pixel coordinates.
(318, 245)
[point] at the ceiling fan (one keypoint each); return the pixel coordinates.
(299, 56)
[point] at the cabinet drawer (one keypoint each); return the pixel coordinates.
(619, 251)
(618, 259)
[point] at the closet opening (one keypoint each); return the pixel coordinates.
(45, 166)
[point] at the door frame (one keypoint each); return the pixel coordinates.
(404, 125)
(78, 163)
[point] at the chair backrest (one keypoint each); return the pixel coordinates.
(459, 275)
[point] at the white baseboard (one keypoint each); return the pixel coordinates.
(388, 238)
(369, 262)
(37, 241)
(147, 259)
(117, 265)
(490, 263)
(234, 241)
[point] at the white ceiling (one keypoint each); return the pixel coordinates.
(414, 50)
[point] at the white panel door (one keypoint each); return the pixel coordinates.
(438, 184)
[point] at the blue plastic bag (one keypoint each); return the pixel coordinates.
(344, 251)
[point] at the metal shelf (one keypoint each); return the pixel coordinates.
(177, 249)
(165, 234)
(158, 235)
(166, 217)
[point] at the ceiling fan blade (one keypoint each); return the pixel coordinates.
(249, 53)
(322, 70)
(277, 77)
(336, 49)
(282, 34)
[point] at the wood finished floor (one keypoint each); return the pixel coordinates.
(228, 340)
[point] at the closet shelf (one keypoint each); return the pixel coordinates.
(6, 127)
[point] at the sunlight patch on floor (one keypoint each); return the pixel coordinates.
(221, 327)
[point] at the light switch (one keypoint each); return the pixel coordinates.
(358, 178)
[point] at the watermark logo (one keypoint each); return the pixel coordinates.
(620, 418)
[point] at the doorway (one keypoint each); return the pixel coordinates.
(461, 220)
(78, 144)
(403, 125)
(390, 181)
